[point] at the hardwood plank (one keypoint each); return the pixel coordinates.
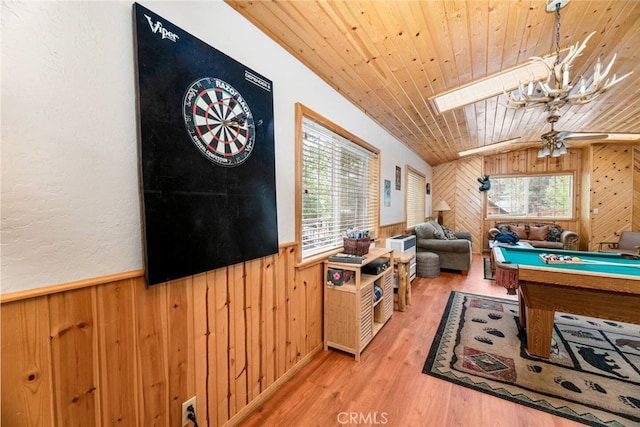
(253, 290)
(202, 334)
(387, 382)
(295, 324)
(26, 359)
(281, 295)
(74, 359)
(115, 325)
(268, 321)
(179, 347)
(238, 345)
(151, 337)
(219, 390)
(314, 314)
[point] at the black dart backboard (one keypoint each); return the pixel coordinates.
(206, 154)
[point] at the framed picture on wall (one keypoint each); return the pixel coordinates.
(428, 188)
(387, 193)
(398, 177)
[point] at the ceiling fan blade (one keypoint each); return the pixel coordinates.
(568, 136)
(610, 136)
(490, 147)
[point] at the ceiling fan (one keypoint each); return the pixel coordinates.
(554, 143)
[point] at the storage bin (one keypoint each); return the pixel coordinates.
(357, 247)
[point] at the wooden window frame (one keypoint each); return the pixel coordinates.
(300, 113)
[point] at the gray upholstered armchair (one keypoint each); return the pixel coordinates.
(629, 244)
(454, 249)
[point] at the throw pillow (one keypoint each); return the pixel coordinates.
(503, 228)
(425, 231)
(555, 231)
(519, 231)
(436, 226)
(538, 233)
(438, 234)
(449, 234)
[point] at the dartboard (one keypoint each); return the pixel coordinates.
(219, 121)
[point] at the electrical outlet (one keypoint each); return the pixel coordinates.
(191, 402)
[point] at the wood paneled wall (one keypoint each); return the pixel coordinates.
(635, 216)
(456, 183)
(390, 230)
(607, 178)
(614, 191)
(123, 354)
(527, 162)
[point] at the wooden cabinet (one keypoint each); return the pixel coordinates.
(351, 316)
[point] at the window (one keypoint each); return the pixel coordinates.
(415, 198)
(339, 185)
(540, 196)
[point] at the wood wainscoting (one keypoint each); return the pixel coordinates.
(390, 230)
(120, 353)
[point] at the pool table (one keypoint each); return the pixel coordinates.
(606, 286)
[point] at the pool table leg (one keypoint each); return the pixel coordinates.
(522, 310)
(539, 331)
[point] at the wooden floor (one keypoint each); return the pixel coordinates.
(387, 386)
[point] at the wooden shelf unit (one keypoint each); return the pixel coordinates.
(351, 317)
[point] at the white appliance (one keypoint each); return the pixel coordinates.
(405, 243)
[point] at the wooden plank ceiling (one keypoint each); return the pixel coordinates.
(390, 57)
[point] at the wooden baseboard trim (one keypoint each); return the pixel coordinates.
(269, 391)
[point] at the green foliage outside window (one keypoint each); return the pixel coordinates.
(539, 196)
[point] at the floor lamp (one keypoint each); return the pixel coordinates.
(440, 207)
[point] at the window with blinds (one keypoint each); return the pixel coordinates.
(339, 188)
(415, 200)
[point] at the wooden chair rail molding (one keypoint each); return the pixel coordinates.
(85, 283)
(115, 351)
(48, 290)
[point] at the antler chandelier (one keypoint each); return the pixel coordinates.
(557, 90)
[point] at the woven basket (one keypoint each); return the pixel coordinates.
(357, 246)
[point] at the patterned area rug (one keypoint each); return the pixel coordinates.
(592, 376)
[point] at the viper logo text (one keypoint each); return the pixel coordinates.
(158, 28)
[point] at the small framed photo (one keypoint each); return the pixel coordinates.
(387, 193)
(428, 188)
(398, 177)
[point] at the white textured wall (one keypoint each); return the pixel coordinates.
(70, 205)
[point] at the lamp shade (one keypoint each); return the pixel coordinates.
(441, 206)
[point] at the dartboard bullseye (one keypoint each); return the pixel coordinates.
(219, 121)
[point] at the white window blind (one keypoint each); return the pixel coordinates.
(415, 200)
(339, 188)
